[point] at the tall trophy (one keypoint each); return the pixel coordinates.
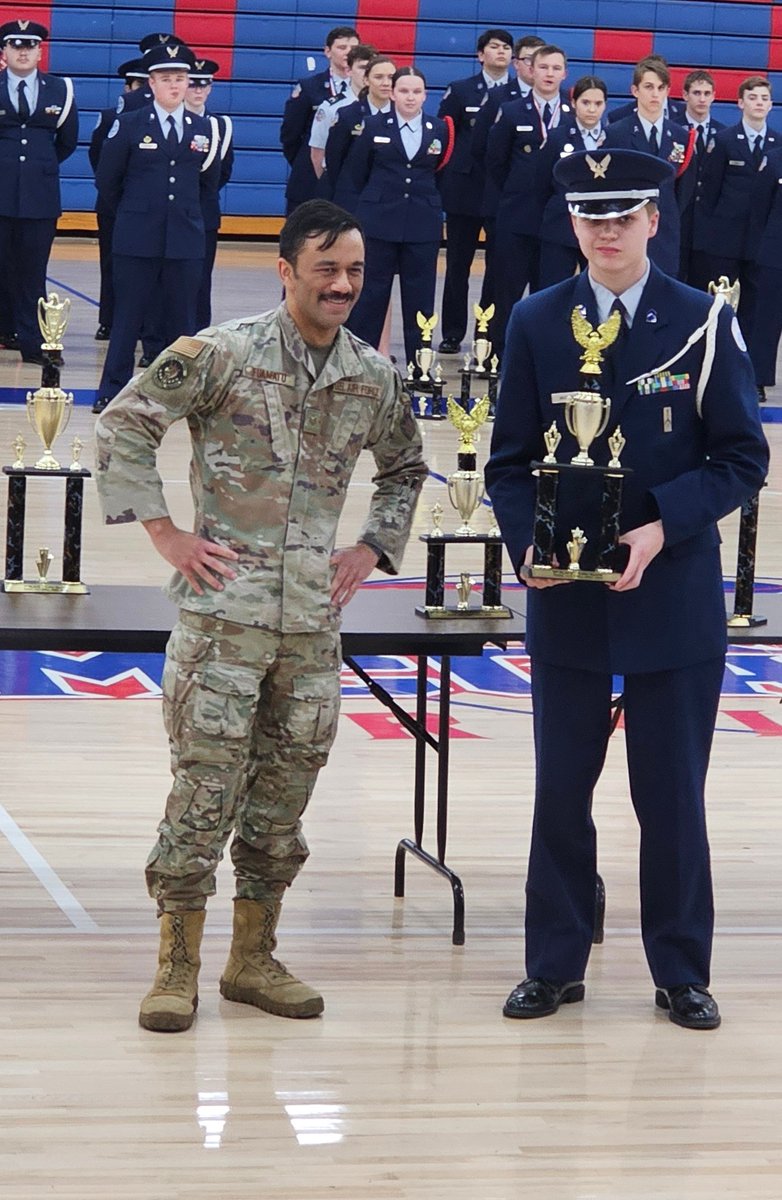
(48, 409)
(587, 416)
(426, 357)
(743, 616)
(465, 492)
(481, 349)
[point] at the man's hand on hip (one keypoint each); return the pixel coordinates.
(351, 567)
(199, 560)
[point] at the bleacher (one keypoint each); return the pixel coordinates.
(264, 45)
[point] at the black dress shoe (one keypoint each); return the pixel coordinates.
(761, 395)
(450, 346)
(690, 1005)
(102, 333)
(541, 997)
(101, 403)
(145, 360)
(9, 341)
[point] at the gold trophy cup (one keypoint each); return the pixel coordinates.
(466, 486)
(586, 416)
(49, 408)
(481, 346)
(425, 357)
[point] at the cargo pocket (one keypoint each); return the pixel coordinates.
(187, 653)
(224, 704)
(313, 709)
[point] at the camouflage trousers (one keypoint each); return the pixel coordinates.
(251, 716)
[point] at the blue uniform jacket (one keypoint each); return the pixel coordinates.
(629, 134)
(308, 94)
(213, 181)
(726, 194)
(484, 123)
(156, 196)
(766, 229)
(517, 166)
(30, 154)
(676, 112)
(399, 199)
(556, 225)
(348, 126)
(691, 476)
(463, 177)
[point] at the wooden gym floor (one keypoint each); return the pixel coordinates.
(412, 1084)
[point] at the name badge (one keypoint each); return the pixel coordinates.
(472, 108)
(269, 376)
(370, 390)
(147, 145)
(524, 128)
(736, 162)
(384, 140)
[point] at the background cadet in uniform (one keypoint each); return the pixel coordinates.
(304, 101)
(560, 256)
(727, 192)
(514, 160)
(39, 129)
(326, 114)
(462, 182)
(199, 89)
(765, 242)
(153, 168)
(682, 390)
(649, 131)
(280, 407)
(395, 168)
(135, 78)
(673, 110)
(375, 98)
(698, 89)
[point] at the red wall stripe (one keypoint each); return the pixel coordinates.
(39, 13)
(726, 80)
(622, 45)
(210, 34)
(395, 37)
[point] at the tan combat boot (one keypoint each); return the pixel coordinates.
(171, 1004)
(252, 976)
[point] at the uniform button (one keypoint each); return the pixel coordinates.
(171, 197)
(22, 158)
(24, 141)
(171, 162)
(407, 181)
(408, 166)
(172, 179)
(407, 196)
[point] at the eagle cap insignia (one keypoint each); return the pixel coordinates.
(23, 24)
(598, 169)
(171, 51)
(200, 65)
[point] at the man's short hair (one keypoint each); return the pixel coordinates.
(546, 49)
(341, 31)
(697, 77)
(361, 53)
(529, 41)
(754, 81)
(657, 66)
(314, 218)
(494, 35)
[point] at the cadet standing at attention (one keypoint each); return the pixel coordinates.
(682, 390)
(39, 129)
(279, 409)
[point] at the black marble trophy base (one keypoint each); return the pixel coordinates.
(434, 606)
(14, 581)
(605, 566)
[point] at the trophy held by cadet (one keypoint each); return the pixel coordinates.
(465, 492)
(587, 415)
(48, 409)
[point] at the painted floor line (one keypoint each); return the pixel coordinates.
(46, 875)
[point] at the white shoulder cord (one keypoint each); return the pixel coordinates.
(66, 108)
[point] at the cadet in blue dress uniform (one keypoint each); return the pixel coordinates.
(395, 164)
(698, 90)
(673, 110)
(682, 390)
(39, 129)
(153, 169)
(650, 132)
(727, 192)
(135, 78)
(515, 161)
(199, 89)
(462, 181)
(304, 101)
(560, 256)
(375, 98)
(765, 329)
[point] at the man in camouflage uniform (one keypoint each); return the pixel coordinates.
(279, 408)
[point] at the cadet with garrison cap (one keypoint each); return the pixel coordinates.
(279, 408)
(682, 391)
(154, 167)
(39, 129)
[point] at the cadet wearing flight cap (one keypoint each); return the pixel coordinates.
(152, 170)
(39, 129)
(682, 390)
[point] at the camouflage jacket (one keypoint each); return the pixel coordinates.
(273, 450)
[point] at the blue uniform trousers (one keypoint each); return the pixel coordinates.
(204, 297)
(519, 254)
(105, 238)
(766, 328)
(416, 265)
(28, 242)
(669, 722)
(138, 282)
(462, 237)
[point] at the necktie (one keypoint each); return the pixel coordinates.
(546, 114)
(172, 141)
(24, 107)
(654, 144)
(757, 151)
(343, 87)
(699, 140)
(619, 307)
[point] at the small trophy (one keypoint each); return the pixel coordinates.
(465, 492)
(587, 415)
(425, 357)
(481, 346)
(48, 409)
